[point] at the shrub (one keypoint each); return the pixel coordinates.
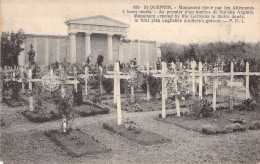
(2, 123)
(201, 108)
(254, 125)
(246, 105)
(155, 85)
(97, 97)
(209, 129)
(108, 85)
(144, 86)
(235, 127)
(78, 97)
(94, 82)
(100, 59)
(16, 87)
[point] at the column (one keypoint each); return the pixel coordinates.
(21, 57)
(87, 45)
(138, 52)
(121, 53)
(46, 51)
(147, 52)
(247, 81)
(1, 85)
(109, 49)
(72, 47)
(35, 48)
(58, 50)
(200, 81)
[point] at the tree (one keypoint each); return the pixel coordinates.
(100, 59)
(31, 54)
(11, 47)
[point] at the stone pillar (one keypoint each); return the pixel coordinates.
(138, 52)
(46, 51)
(58, 50)
(21, 57)
(147, 53)
(35, 48)
(72, 47)
(87, 45)
(121, 51)
(1, 84)
(110, 49)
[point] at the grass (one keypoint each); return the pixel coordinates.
(76, 143)
(143, 137)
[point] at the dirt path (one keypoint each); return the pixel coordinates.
(23, 142)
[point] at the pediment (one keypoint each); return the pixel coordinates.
(98, 20)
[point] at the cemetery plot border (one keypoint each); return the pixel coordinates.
(12, 103)
(222, 122)
(76, 143)
(90, 109)
(142, 137)
(40, 118)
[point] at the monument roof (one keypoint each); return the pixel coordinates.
(97, 20)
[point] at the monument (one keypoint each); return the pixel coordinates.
(87, 38)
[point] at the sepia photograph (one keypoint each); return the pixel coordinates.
(129, 81)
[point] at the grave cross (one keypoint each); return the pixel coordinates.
(113, 73)
(117, 76)
(50, 82)
(164, 75)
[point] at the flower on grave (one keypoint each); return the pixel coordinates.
(30, 93)
(181, 80)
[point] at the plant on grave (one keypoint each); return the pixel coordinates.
(66, 111)
(135, 105)
(108, 85)
(131, 125)
(155, 85)
(37, 93)
(96, 99)
(201, 108)
(246, 105)
(78, 97)
(94, 81)
(16, 87)
(181, 91)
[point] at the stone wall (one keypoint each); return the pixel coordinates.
(52, 48)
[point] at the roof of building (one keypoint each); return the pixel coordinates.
(98, 20)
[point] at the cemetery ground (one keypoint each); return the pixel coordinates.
(23, 141)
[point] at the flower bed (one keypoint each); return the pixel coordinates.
(222, 121)
(76, 143)
(13, 103)
(89, 109)
(141, 137)
(40, 117)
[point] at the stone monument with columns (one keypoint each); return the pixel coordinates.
(88, 38)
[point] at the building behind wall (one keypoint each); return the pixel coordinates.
(90, 37)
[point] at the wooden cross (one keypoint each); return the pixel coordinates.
(231, 74)
(83, 76)
(117, 76)
(52, 77)
(113, 73)
(164, 75)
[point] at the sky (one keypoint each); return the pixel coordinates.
(48, 17)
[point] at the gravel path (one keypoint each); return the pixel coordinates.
(24, 142)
